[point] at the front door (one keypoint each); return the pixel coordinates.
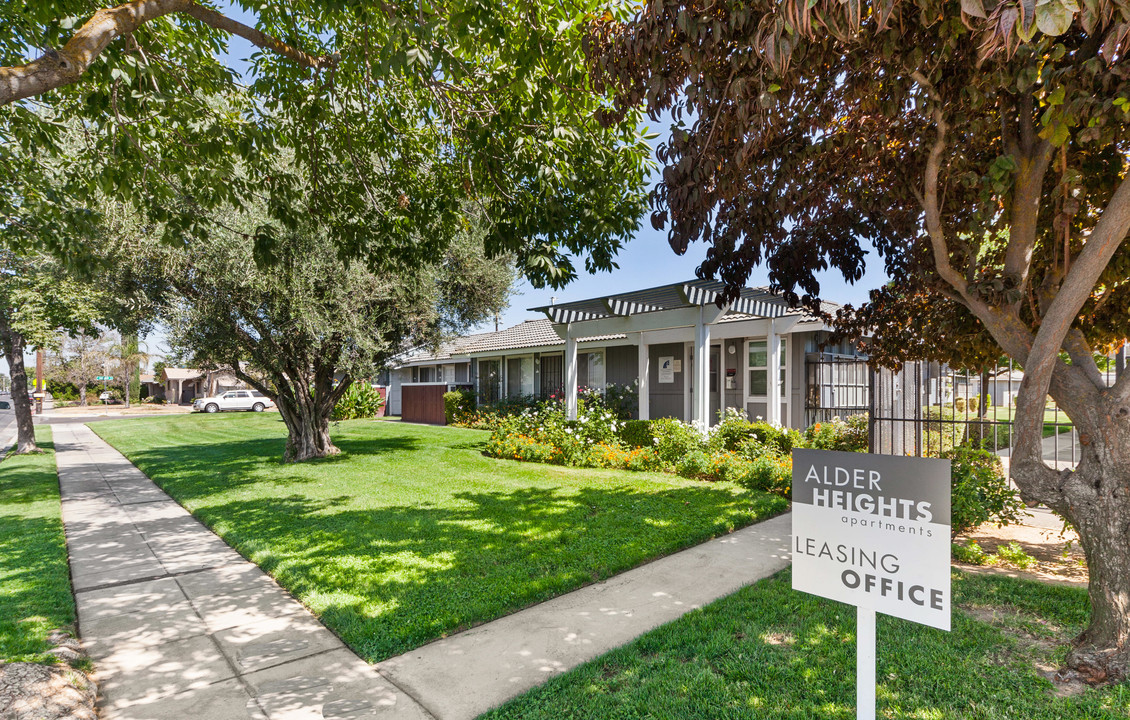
(715, 383)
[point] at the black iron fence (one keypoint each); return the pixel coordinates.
(835, 386)
(924, 409)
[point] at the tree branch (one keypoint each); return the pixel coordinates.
(58, 68)
(1083, 357)
(1031, 169)
(1104, 240)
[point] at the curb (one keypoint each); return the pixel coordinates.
(6, 447)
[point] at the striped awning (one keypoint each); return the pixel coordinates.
(754, 302)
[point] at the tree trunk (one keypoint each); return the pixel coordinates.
(13, 346)
(82, 394)
(1095, 499)
(308, 430)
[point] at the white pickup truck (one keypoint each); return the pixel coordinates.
(252, 400)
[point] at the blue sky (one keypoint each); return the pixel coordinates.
(646, 261)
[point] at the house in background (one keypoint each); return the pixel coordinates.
(755, 350)
(151, 386)
(183, 385)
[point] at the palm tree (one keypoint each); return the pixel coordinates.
(129, 356)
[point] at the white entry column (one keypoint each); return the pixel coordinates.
(773, 412)
(570, 373)
(643, 384)
(700, 411)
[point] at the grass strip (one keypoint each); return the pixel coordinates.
(767, 652)
(412, 534)
(35, 580)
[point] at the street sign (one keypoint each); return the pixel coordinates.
(873, 531)
(103, 377)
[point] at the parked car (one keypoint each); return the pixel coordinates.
(252, 400)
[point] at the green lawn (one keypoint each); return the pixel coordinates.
(35, 582)
(413, 534)
(767, 652)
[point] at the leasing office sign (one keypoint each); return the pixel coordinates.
(874, 531)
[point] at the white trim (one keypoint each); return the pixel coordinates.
(416, 384)
(786, 397)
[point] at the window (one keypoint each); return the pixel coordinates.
(490, 381)
(590, 371)
(759, 368)
(552, 375)
(520, 376)
(463, 372)
(427, 374)
(415, 374)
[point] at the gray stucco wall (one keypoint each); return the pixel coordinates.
(665, 399)
(621, 364)
(736, 396)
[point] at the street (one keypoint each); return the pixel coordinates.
(7, 420)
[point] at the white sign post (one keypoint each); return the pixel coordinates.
(873, 531)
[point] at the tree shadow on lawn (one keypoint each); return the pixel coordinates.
(770, 652)
(193, 472)
(14, 488)
(35, 588)
(391, 579)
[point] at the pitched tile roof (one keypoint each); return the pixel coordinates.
(529, 334)
(172, 373)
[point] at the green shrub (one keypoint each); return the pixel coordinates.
(1013, 554)
(771, 473)
(980, 491)
(674, 440)
(457, 404)
(783, 440)
(622, 400)
(361, 400)
(850, 435)
(970, 554)
(637, 433)
(695, 464)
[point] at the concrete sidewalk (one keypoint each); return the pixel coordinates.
(462, 676)
(179, 625)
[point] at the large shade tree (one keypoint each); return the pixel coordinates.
(980, 147)
(38, 298)
(494, 95)
(302, 332)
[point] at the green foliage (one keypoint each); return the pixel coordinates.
(969, 553)
(734, 430)
(622, 400)
(695, 464)
(35, 579)
(637, 433)
(491, 100)
(522, 532)
(1014, 554)
(61, 390)
(359, 402)
(599, 439)
(674, 440)
(457, 404)
(980, 491)
(850, 435)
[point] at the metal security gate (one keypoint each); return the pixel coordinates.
(924, 409)
(835, 387)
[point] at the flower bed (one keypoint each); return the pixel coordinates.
(755, 455)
